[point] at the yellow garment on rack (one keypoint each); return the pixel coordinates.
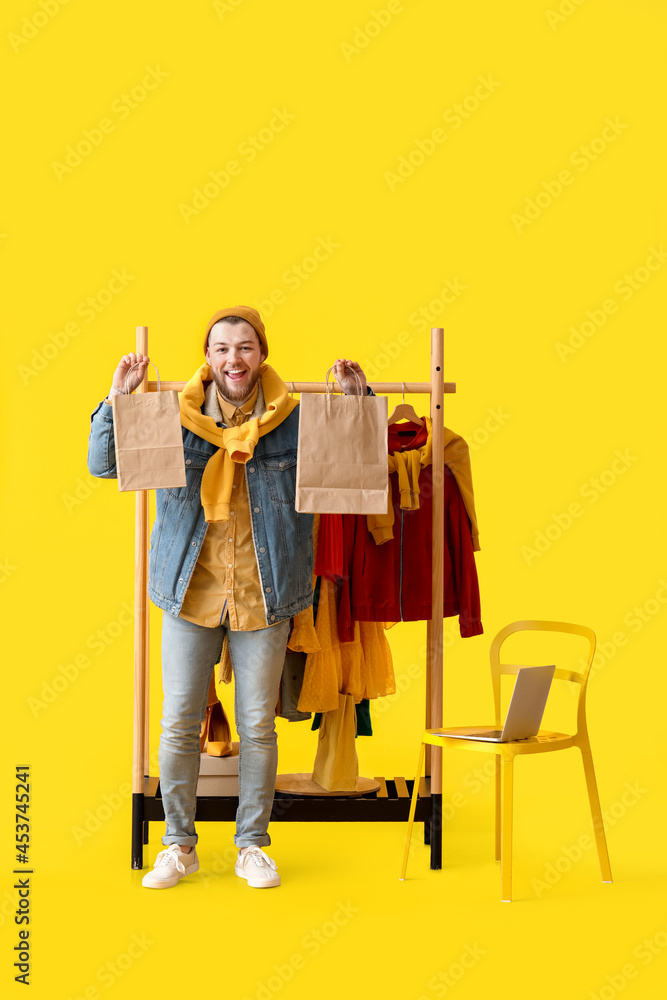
(457, 458)
(362, 668)
(336, 763)
(408, 464)
(304, 637)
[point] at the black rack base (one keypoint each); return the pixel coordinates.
(390, 804)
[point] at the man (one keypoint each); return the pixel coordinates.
(230, 556)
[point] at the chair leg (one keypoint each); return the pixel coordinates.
(507, 773)
(413, 806)
(498, 802)
(596, 813)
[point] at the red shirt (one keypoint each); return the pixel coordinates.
(392, 582)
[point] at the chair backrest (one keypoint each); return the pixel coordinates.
(579, 677)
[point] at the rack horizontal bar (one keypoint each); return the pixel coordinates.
(398, 387)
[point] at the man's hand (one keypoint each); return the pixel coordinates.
(136, 375)
(348, 382)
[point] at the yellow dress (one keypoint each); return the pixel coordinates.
(362, 668)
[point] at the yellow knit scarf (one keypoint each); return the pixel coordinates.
(235, 444)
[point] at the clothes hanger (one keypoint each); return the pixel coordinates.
(403, 411)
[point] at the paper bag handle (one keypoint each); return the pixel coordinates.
(326, 382)
(127, 374)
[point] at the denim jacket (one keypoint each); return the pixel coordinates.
(282, 537)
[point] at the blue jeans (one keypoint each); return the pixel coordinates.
(189, 654)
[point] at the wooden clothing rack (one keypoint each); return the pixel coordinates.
(392, 801)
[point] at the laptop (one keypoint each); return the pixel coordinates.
(529, 697)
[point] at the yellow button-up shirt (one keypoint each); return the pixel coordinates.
(225, 582)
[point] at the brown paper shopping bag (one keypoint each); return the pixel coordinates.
(342, 465)
(148, 438)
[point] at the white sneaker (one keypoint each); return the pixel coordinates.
(170, 866)
(258, 868)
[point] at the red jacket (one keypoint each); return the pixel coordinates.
(392, 582)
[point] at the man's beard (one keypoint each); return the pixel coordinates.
(236, 393)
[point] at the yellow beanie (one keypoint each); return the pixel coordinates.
(250, 315)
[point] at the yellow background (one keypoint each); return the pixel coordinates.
(545, 433)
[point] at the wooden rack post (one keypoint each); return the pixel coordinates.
(392, 801)
(434, 644)
(140, 767)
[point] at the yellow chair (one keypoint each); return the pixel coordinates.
(544, 742)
